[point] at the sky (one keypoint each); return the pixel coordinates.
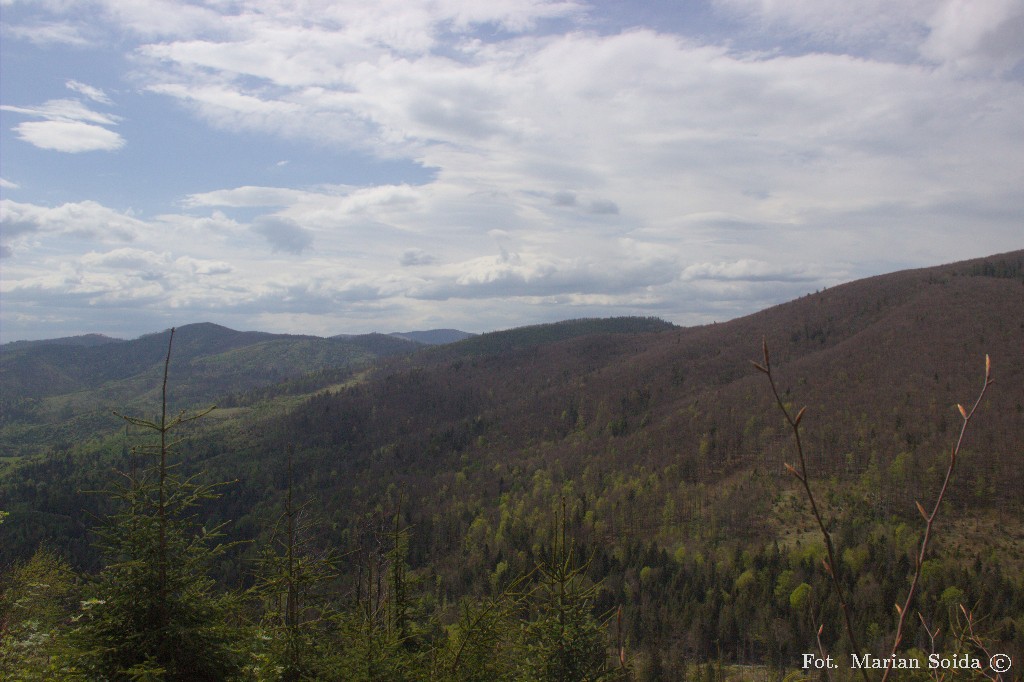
(342, 167)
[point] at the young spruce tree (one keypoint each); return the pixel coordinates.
(295, 632)
(154, 613)
(565, 642)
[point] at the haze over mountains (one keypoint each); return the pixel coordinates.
(662, 439)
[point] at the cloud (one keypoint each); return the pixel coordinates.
(511, 275)
(17, 219)
(416, 257)
(69, 136)
(976, 35)
(64, 110)
(126, 259)
(980, 35)
(153, 266)
(604, 207)
(68, 125)
(204, 267)
(83, 220)
(241, 197)
(92, 93)
(563, 199)
(844, 25)
(155, 18)
(746, 270)
(51, 33)
(283, 234)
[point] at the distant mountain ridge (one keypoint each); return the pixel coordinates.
(74, 383)
(86, 340)
(75, 363)
(46, 383)
(434, 337)
(216, 332)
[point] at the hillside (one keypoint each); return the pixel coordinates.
(880, 363)
(55, 392)
(663, 442)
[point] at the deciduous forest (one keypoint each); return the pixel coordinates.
(617, 499)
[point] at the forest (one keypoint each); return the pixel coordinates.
(617, 499)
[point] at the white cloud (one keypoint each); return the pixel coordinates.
(51, 33)
(155, 18)
(747, 270)
(511, 275)
(68, 125)
(89, 91)
(205, 268)
(86, 220)
(64, 110)
(246, 197)
(981, 34)
(69, 136)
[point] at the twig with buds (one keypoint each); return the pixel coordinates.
(800, 473)
(929, 518)
(829, 562)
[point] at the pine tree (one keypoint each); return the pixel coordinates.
(153, 612)
(566, 642)
(295, 618)
(486, 644)
(388, 638)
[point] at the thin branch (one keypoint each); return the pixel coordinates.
(967, 631)
(831, 567)
(930, 517)
(931, 640)
(821, 651)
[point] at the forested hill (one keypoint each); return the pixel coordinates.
(59, 366)
(664, 444)
(880, 363)
(62, 390)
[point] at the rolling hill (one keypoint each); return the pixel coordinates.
(663, 441)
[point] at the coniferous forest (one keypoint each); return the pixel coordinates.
(617, 499)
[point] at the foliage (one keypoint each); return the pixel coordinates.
(37, 597)
(153, 612)
(293, 613)
(565, 641)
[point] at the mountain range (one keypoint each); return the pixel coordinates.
(664, 442)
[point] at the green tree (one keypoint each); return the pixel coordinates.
(385, 635)
(295, 617)
(153, 612)
(485, 644)
(37, 598)
(565, 642)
